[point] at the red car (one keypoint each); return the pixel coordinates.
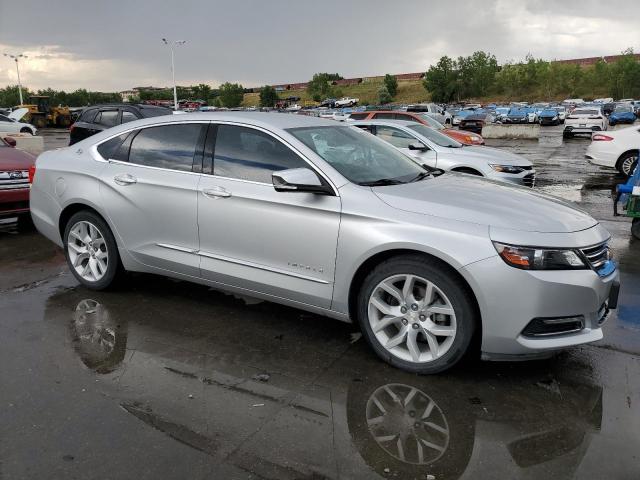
(466, 138)
(16, 169)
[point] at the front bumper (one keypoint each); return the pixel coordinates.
(526, 178)
(510, 299)
(14, 202)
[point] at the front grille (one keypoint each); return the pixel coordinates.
(598, 255)
(14, 179)
(529, 180)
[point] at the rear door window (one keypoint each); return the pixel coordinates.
(88, 115)
(167, 146)
(358, 116)
(107, 118)
(384, 116)
(128, 116)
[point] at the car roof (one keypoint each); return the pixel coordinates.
(402, 123)
(267, 120)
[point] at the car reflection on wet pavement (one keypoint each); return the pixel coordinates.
(166, 379)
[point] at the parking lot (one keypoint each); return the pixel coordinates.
(163, 377)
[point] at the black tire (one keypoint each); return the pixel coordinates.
(26, 130)
(635, 228)
(25, 223)
(455, 290)
(625, 166)
(567, 135)
(114, 270)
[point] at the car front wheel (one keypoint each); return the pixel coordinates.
(416, 315)
(91, 251)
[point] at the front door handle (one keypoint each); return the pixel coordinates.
(125, 179)
(216, 192)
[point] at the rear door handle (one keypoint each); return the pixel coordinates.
(125, 179)
(216, 192)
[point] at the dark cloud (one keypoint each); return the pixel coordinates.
(270, 41)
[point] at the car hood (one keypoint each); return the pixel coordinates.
(14, 159)
(622, 114)
(488, 154)
(477, 200)
(18, 114)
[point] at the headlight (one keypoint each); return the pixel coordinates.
(531, 258)
(555, 118)
(507, 168)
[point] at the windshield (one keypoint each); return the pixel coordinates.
(359, 156)
(431, 122)
(434, 136)
(623, 109)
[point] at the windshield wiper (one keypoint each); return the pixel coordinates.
(381, 182)
(420, 176)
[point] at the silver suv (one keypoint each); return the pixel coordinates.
(328, 218)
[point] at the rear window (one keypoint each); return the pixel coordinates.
(586, 112)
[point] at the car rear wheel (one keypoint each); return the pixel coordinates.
(416, 315)
(627, 162)
(26, 130)
(91, 251)
(635, 228)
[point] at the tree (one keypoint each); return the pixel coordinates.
(391, 82)
(10, 97)
(383, 95)
(231, 94)
(320, 85)
(268, 96)
(441, 80)
(201, 91)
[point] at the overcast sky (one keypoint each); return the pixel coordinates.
(115, 45)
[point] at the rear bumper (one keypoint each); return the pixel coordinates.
(14, 202)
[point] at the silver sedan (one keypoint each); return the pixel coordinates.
(430, 147)
(330, 219)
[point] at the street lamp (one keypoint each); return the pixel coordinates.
(171, 44)
(16, 57)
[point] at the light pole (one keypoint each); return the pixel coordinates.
(171, 44)
(16, 57)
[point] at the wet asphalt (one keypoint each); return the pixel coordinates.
(166, 379)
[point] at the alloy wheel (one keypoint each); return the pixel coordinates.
(628, 163)
(407, 424)
(412, 318)
(87, 251)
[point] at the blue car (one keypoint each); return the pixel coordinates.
(549, 116)
(622, 114)
(517, 115)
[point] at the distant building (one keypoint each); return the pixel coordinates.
(127, 95)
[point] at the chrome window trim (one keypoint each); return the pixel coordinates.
(98, 158)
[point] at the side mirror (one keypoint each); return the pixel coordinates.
(418, 146)
(299, 180)
(10, 141)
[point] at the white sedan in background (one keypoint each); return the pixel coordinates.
(430, 147)
(11, 123)
(584, 120)
(615, 149)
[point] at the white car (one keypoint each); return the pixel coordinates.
(333, 115)
(584, 120)
(11, 123)
(616, 149)
(430, 147)
(434, 111)
(346, 102)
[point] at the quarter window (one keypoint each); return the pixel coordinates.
(110, 150)
(384, 116)
(248, 154)
(395, 137)
(167, 146)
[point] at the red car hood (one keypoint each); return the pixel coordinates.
(15, 159)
